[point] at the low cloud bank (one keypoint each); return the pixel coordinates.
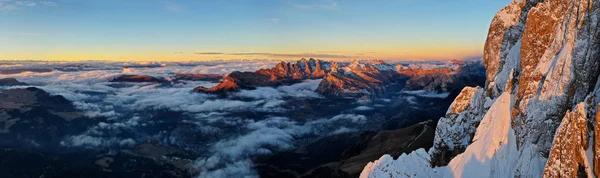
(129, 111)
(231, 157)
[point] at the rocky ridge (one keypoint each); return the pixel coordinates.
(455, 131)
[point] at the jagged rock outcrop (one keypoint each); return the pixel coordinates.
(546, 56)
(138, 78)
(360, 78)
(10, 82)
(282, 73)
(455, 131)
(567, 157)
(503, 39)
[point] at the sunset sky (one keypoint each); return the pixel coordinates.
(169, 30)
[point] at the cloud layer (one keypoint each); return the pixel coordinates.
(227, 131)
(11, 5)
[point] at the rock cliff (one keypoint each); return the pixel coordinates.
(545, 57)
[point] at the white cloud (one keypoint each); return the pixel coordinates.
(427, 94)
(359, 119)
(363, 108)
(304, 89)
(127, 109)
(48, 3)
(319, 4)
(26, 3)
(264, 137)
(9, 5)
(342, 131)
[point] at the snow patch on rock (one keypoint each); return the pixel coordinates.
(492, 153)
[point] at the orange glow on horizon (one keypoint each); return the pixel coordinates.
(382, 52)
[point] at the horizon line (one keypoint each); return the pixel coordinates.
(257, 59)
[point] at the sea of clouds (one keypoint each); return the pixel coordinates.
(225, 142)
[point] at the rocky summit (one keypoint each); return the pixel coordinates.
(10, 82)
(229, 84)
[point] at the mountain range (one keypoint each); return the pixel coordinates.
(359, 78)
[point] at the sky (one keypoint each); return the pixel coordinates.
(184, 30)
